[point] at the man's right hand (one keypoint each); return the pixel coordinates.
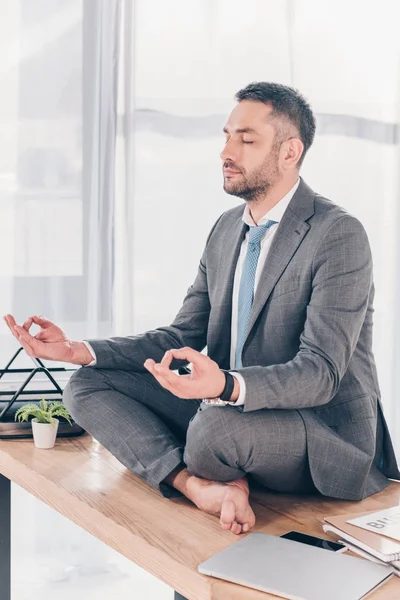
(50, 342)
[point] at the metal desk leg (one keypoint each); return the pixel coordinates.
(5, 538)
(176, 597)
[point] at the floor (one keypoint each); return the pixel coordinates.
(54, 558)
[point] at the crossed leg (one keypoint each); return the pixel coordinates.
(178, 445)
(227, 445)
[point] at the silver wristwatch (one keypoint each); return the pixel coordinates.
(216, 401)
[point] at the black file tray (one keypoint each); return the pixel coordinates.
(11, 429)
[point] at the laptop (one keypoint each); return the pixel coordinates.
(295, 571)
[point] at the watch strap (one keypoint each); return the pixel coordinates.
(229, 385)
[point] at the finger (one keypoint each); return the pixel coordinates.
(161, 380)
(26, 346)
(28, 349)
(173, 379)
(189, 354)
(10, 321)
(166, 359)
(176, 384)
(156, 368)
(39, 320)
(28, 323)
(182, 386)
(149, 363)
(23, 335)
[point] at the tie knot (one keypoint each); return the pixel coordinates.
(256, 232)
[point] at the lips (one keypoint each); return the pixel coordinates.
(231, 172)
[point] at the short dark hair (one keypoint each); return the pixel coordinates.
(287, 102)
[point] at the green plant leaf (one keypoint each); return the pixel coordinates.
(60, 411)
(44, 412)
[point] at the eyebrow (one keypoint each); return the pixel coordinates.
(243, 130)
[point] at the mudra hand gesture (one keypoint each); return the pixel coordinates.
(51, 342)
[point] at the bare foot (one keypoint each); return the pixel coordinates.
(229, 501)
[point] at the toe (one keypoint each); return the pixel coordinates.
(227, 517)
(236, 528)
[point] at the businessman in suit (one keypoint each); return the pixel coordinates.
(288, 394)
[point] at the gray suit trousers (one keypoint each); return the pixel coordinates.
(151, 432)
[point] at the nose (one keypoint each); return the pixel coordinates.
(228, 153)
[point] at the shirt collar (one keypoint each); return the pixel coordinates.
(276, 212)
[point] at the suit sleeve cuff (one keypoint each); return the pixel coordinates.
(242, 388)
(92, 352)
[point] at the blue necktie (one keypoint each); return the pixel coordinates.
(246, 289)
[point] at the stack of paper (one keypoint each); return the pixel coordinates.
(373, 535)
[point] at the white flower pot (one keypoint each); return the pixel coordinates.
(44, 434)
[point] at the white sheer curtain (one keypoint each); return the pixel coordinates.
(56, 168)
(57, 132)
(184, 65)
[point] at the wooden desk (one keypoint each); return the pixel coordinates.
(169, 538)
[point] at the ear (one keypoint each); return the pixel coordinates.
(291, 151)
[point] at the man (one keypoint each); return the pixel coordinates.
(284, 298)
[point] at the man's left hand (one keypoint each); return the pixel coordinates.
(205, 381)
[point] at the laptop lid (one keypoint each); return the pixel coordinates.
(295, 571)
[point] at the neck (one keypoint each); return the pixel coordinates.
(263, 203)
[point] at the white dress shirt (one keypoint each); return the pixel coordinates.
(275, 214)
(92, 352)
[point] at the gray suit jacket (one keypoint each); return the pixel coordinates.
(309, 339)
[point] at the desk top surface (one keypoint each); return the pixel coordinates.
(168, 537)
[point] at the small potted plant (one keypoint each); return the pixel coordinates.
(44, 424)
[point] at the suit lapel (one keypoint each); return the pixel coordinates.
(229, 253)
(290, 233)
(287, 239)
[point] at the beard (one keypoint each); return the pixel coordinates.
(256, 184)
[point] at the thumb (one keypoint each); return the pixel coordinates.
(42, 335)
